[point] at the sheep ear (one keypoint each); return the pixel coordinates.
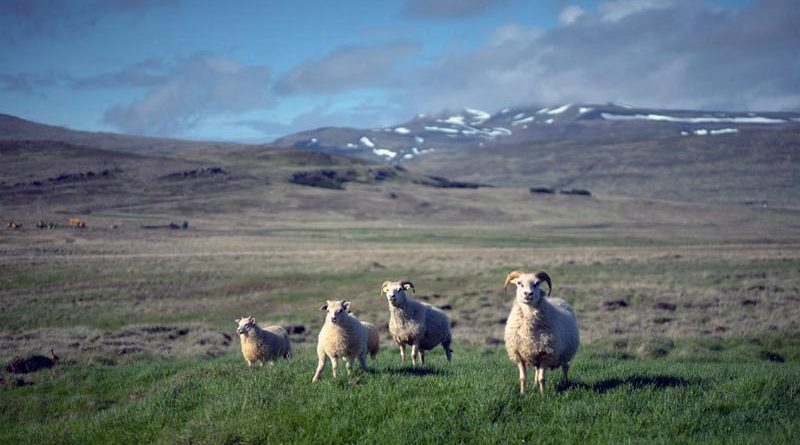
(346, 305)
(512, 276)
(238, 320)
(251, 320)
(383, 286)
(324, 307)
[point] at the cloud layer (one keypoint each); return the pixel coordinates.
(26, 19)
(352, 67)
(445, 9)
(657, 53)
(181, 94)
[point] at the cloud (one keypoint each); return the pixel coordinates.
(619, 9)
(347, 68)
(332, 114)
(147, 73)
(29, 83)
(179, 95)
(27, 19)
(446, 9)
(672, 54)
(569, 14)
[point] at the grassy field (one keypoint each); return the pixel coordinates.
(688, 312)
(717, 398)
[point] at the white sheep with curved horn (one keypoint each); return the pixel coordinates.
(541, 332)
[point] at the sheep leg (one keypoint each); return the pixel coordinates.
(348, 363)
(447, 351)
(422, 356)
(565, 371)
(334, 365)
(320, 367)
(540, 379)
(414, 354)
(523, 376)
(363, 359)
(403, 354)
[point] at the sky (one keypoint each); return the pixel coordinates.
(254, 70)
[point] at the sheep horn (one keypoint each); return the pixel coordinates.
(405, 284)
(546, 278)
(512, 275)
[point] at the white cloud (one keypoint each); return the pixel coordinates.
(569, 14)
(347, 68)
(181, 94)
(659, 54)
(618, 9)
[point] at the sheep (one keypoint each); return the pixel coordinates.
(262, 344)
(341, 336)
(540, 332)
(417, 324)
(373, 339)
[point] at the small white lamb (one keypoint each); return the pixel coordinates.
(373, 339)
(262, 344)
(417, 324)
(342, 336)
(541, 332)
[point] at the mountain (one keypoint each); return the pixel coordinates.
(13, 128)
(693, 156)
(471, 128)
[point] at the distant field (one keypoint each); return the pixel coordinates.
(689, 317)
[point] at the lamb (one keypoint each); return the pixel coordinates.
(342, 336)
(540, 332)
(373, 339)
(262, 344)
(417, 324)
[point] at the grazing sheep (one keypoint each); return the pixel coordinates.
(417, 324)
(373, 339)
(342, 336)
(540, 332)
(262, 344)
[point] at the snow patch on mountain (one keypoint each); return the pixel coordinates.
(452, 120)
(384, 152)
(692, 120)
(442, 129)
(519, 122)
(402, 130)
(479, 116)
(559, 110)
(366, 141)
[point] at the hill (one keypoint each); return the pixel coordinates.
(13, 128)
(695, 156)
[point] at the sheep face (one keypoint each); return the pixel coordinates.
(395, 291)
(245, 325)
(529, 286)
(336, 310)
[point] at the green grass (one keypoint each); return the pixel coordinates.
(722, 399)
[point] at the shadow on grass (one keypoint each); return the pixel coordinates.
(636, 382)
(417, 372)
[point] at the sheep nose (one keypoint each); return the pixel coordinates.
(526, 293)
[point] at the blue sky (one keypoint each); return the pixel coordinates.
(255, 70)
